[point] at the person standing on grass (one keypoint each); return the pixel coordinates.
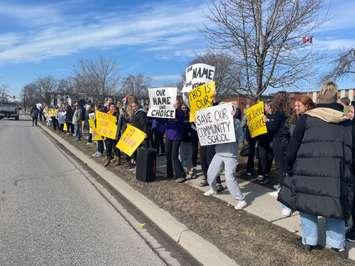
(140, 121)
(226, 156)
(158, 129)
(320, 180)
(111, 148)
(77, 121)
(100, 147)
(69, 119)
(61, 118)
(185, 151)
(173, 134)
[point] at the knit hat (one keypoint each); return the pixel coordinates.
(328, 93)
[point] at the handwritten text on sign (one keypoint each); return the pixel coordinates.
(215, 125)
(131, 139)
(255, 119)
(201, 97)
(198, 74)
(106, 125)
(162, 102)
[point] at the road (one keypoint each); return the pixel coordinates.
(50, 214)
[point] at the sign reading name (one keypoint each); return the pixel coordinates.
(131, 139)
(215, 125)
(162, 102)
(198, 74)
(255, 119)
(201, 97)
(106, 125)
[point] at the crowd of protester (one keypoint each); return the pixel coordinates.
(310, 145)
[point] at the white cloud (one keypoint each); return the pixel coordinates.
(340, 15)
(171, 27)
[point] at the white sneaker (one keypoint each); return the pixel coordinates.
(210, 192)
(241, 204)
(286, 212)
(98, 155)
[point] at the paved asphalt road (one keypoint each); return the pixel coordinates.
(51, 215)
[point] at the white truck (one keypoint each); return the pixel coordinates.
(9, 110)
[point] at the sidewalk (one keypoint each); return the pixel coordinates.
(240, 235)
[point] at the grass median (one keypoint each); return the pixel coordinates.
(248, 239)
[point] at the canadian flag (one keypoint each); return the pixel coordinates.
(307, 39)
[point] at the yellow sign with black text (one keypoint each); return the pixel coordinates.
(201, 97)
(106, 125)
(131, 139)
(255, 120)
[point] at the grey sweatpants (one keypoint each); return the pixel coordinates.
(230, 165)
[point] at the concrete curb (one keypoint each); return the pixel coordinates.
(205, 252)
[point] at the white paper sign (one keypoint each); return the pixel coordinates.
(162, 102)
(215, 125)
(198, 74)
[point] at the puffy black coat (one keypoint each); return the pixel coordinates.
(140, 120)
(321, 180)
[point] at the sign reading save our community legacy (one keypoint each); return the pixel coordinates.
(255, 119)
(215, 125)
(106, 125)
(198, 74)
(131, 138)
(162, 101)
(201, 97)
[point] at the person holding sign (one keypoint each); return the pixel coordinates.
(226, 155)
(173, 134)
(111, 143)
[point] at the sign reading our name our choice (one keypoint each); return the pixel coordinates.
(162, 101)
(198, 74)
(215, 125)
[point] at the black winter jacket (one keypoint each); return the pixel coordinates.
(320, 179)
(140, 120)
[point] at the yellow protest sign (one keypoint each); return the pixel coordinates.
(92, 124)
(106, 125)
(201, 97)
(131, 139)
(255, 119)
(95, 136)
(52, 112)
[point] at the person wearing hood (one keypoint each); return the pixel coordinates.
(319, 179)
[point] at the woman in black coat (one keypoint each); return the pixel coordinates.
(319, 166)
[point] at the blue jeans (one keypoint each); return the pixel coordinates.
(335, 231)
(77, 131)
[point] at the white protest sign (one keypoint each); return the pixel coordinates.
(198, 74)
(215, 125)
(162, 102)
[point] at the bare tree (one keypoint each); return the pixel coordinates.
(264, 37)
(97, 78)
(344, 66)
(227, 74)
(135, 85)
(47, 86)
